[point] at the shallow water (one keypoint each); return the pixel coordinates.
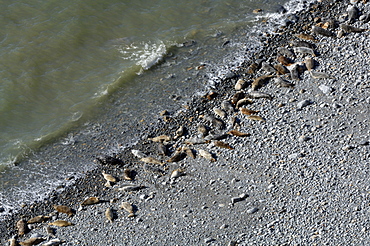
(63, 63)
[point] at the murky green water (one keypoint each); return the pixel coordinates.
(59, 60)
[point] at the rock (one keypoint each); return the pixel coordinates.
(209, 239)
(252, 210)
(325, 89)
(304, 103)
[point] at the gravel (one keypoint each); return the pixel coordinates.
(300, 178)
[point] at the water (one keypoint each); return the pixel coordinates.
(62, 60)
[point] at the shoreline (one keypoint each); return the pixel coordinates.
(274, 187)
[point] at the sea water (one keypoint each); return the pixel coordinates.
(61, 60)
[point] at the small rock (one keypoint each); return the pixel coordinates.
(304, 103)
(303, 138)
(295, 155)
(325, 89)
(364, 143)
(252, 210)
(209, 239)
(236, 199)
(348, 147)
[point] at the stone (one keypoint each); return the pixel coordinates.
(325, 89)
(304, 103)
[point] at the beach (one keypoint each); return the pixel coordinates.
(282, 160)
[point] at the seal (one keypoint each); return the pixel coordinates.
(109, 214)
(22, 227)
(267, 67)
(223, 145)
(321, 31)
(260, 81)
(238, 133)
(349, 29)
(284, 60)
(219, 112)
(281, 69)
(321, 75)
(256, 117)
(38, 219)
(32, 241)
(240, 84)
(64, 209)
(127, 174)
(285, 52)
(61, 223)
(283, 83)
(310, 63)
(206, 155)
(242, 102)
(353, 13)
(177, 156)
(248, 111)
(90, 201)
(129, 208)
(306, 37)
(109, 177)
(304, 51)
(151, 160)
(257, 95)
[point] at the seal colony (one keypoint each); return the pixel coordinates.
(229, 118)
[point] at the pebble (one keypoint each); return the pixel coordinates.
(325, 89)
(295, 155)
(209, 239)
(252, 210)
(304, 103)
(303, 138)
